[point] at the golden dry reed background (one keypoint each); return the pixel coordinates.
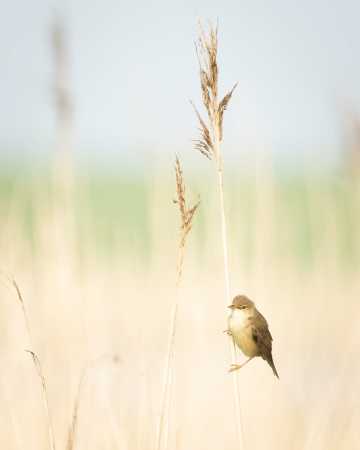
(96, 264)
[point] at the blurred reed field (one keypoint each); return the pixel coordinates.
(98, 275)
(96, 265)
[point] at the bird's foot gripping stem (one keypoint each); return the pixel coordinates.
(234, 367)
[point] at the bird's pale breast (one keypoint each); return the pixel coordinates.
(240, 328)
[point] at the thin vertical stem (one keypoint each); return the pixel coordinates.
(232, 346)
(37, 365)
(187, 215)
(224, 235)
(166, 385)
(45, 398)
(211, 133)
(165, 402)
(72, 433)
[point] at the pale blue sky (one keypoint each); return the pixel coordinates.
(134, 70)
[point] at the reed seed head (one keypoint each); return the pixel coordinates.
(211, 131)
(186, 214)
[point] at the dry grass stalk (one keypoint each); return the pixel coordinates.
(37, 365)
(71, 439)
(72, 432)
(211, 134)
(186, 217)
(40, 373)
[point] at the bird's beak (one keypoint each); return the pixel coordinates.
(231, 306)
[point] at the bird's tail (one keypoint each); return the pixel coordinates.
(272, 365)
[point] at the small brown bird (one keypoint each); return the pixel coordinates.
(250, 331)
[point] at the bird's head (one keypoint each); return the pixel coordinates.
(241, 302)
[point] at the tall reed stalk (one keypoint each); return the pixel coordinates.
(186, 216)
(209, 144)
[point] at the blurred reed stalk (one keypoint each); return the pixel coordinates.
(63, 103)
(72, 432)
(62, 212)
(209, 144)
(186, 216)
(73, 428)
(37, 365)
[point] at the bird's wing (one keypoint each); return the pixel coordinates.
(261, 334)
(263, 339)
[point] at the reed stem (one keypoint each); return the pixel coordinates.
(186, 215)
(211, 134)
